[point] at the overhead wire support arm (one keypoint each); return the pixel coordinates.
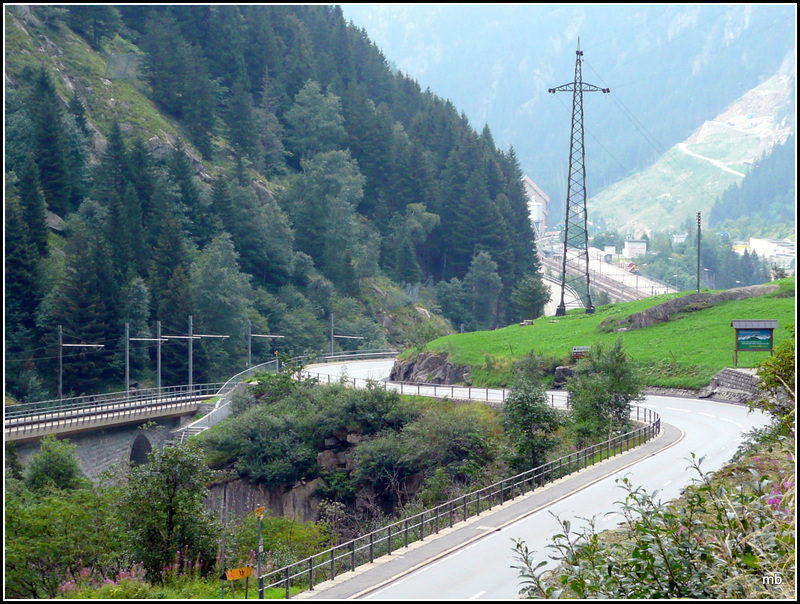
(575, 261)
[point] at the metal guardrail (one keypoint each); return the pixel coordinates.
(94, 400)
(364, 549)
(70, 417)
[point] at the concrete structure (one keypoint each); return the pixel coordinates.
(537, 206)
(113, 447)
(778, 252)
(634, 248)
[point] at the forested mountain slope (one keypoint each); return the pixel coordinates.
(240, 165)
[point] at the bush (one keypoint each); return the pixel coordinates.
(54, 466)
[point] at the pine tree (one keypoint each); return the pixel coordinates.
(96, 23)
(22, 290)
(33, 207)
(50, 144)
(242, 126)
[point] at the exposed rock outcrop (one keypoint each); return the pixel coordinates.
(429, 368)
(664, 312)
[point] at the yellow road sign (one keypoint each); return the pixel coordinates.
(238, 573)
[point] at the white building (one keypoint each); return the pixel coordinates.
(537, 206)
(634, 248)
(778, 252)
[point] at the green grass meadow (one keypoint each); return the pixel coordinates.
(684, 352)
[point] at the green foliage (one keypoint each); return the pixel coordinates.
(767, 191)
(95, 23)
(315, 121)
(54, 467)
(53, 535)
(166, 513)
(285, 540)
(530, 424)
(777, 383)
(601, 392)
(529, 297)
(719, 541)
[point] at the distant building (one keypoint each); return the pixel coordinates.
(679, 237)
(778, 252)
(537, 206)
(634, 248)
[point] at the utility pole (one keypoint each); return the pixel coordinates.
(158, 356)
(251, 335)
(191, 339)
(698, 252)
(127, 362)
(576, 235)
(60, 363)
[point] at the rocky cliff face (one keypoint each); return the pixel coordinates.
(429, 369)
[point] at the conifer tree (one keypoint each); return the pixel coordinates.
(50, 144)
(33, 207)
(20, 270)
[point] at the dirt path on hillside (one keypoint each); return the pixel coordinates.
(682, 147)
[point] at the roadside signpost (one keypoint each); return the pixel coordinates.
(578, 352)
(753, 336)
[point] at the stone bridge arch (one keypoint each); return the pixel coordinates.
(111, 448)
(140, 449)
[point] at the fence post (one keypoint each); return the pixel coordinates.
(390, 539)
(371, 542)
(311, 573)
(287, 583)
(406, 532)
(333, 562)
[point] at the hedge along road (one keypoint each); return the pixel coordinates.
(474, 560)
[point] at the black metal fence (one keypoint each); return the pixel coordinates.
(348, 556)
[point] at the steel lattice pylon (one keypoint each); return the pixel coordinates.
(575, 263)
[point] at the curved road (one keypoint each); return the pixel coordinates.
(480, 567)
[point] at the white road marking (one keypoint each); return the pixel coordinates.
(477, 595)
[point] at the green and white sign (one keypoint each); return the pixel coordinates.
(754, 339)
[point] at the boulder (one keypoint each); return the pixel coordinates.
(429, 368)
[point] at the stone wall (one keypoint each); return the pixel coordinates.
(111, 448)
(241, 498)
(663, 312)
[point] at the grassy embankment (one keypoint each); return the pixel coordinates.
(684, 352)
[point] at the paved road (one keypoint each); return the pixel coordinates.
(474, 560)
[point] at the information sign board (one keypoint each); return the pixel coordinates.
(578, 352)
(754, 339)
